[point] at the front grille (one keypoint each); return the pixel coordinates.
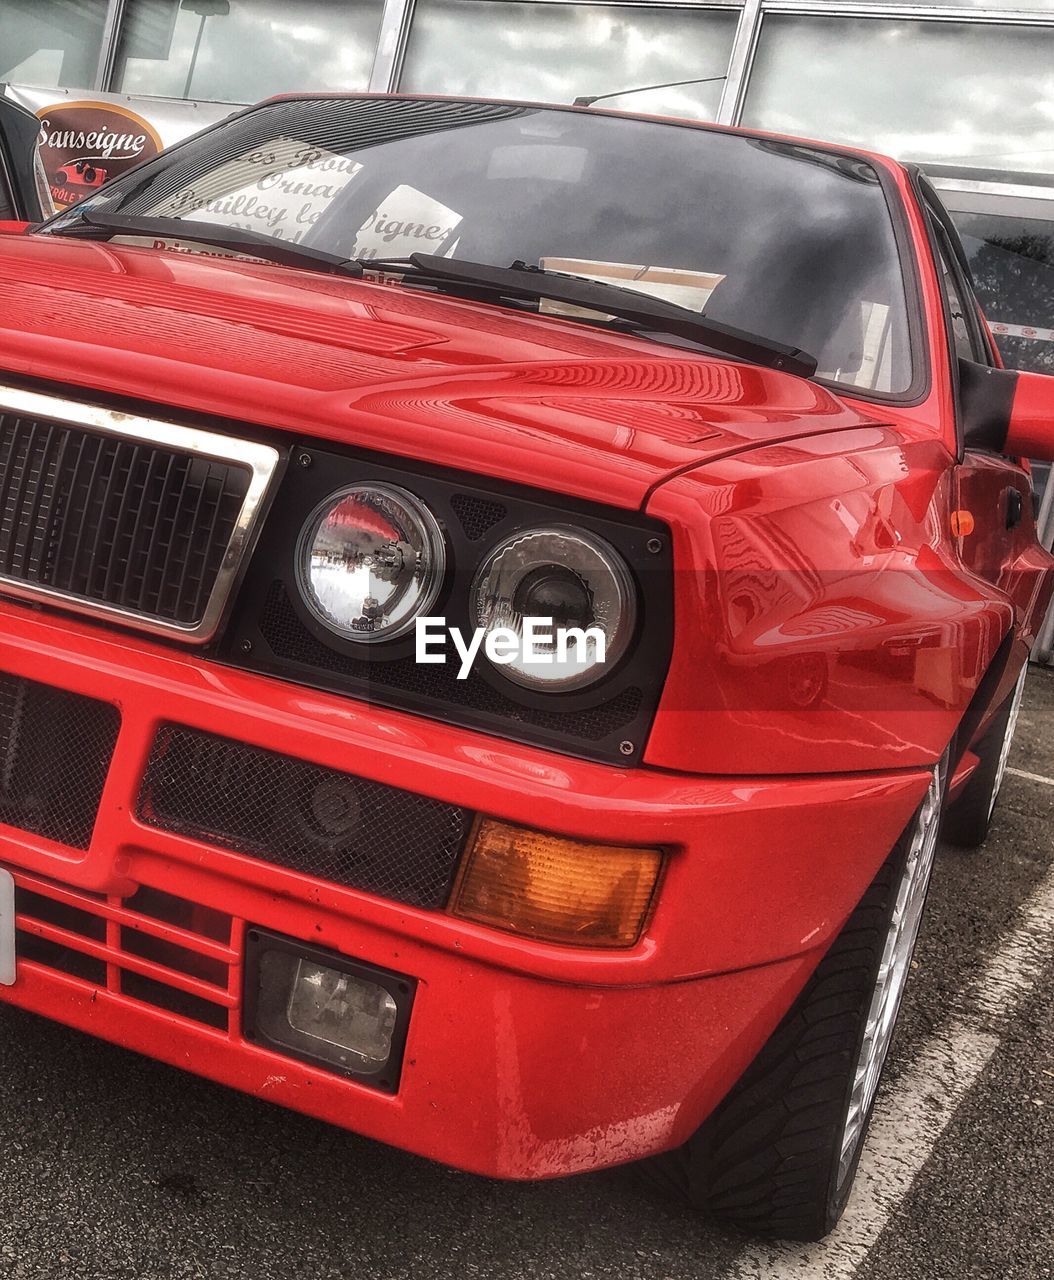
(153, 948)
(310, 819)
(55, 750)
(114, 521)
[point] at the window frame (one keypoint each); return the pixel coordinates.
(954, 280)
(942, 236)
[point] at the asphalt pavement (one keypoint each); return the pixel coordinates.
(115, 1167)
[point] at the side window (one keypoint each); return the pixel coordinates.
(966, 331)
(962, 308)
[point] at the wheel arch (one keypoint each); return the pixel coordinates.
(837, 552)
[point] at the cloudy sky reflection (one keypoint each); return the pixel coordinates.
(976, 94)
(260, 48)
(953, 92)
(555, 53)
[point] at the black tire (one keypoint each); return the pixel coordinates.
(968, 818)
(767, 1160)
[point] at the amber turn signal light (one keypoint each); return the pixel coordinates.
(554, 889)
(963, 523)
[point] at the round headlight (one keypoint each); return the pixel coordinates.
(576, 582)
(371, 560)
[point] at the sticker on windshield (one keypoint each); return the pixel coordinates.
(194, 247)
(871, 344)
(876, 366)
(407, 221)
(281, 189)
(690, 289)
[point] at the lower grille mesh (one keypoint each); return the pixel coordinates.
(313, 820)
(55, 750)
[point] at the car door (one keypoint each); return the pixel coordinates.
(24, 195)
(998, 529)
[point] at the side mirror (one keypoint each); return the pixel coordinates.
(1031, 433)
(1007, 410)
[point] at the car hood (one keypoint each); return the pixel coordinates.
(535, 399)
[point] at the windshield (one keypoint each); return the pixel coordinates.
(781, 240)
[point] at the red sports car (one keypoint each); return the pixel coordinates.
(491, 675)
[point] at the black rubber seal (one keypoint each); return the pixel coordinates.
(987, 399)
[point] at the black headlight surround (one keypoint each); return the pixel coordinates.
(273, 630)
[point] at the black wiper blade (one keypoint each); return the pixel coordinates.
(521, 281)
(98, 224)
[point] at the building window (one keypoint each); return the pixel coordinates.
(1012, 261)
(558, 52)
(972, 94)
(51, 46)
(958, 4)
(244, 50)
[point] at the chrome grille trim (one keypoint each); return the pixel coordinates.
(261, 461)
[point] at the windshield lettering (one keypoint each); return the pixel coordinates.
(788, 242)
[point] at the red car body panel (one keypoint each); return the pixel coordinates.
(483, 1100)
(830, 553)
(537, 401)
(831, 632)
(749, 902)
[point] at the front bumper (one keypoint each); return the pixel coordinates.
(523, 1059)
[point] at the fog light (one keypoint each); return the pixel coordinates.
(554, 889)
(320, 1007)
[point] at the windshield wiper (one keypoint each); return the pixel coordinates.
(655, 314)
(97, 224)
(516, 281)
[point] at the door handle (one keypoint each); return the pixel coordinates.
(1015, 508)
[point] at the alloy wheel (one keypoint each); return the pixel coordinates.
(1008, 739)
(892, 973)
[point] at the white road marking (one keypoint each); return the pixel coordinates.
(1017, 967)
(1032, 777)
(910, 1118)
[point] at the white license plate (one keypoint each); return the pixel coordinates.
(7, 929)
